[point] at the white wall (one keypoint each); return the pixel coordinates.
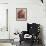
(34, 13)
(3, 1)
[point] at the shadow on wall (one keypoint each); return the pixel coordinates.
(41, 34)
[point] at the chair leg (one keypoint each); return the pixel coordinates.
(20, 42)
(32, 42)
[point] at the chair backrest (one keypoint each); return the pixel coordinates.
(33, 28)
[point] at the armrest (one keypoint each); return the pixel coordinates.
(24, 32)
(22, 35)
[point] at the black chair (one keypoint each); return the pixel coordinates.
(32, 29)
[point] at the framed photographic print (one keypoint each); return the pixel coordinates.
(21, 14)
